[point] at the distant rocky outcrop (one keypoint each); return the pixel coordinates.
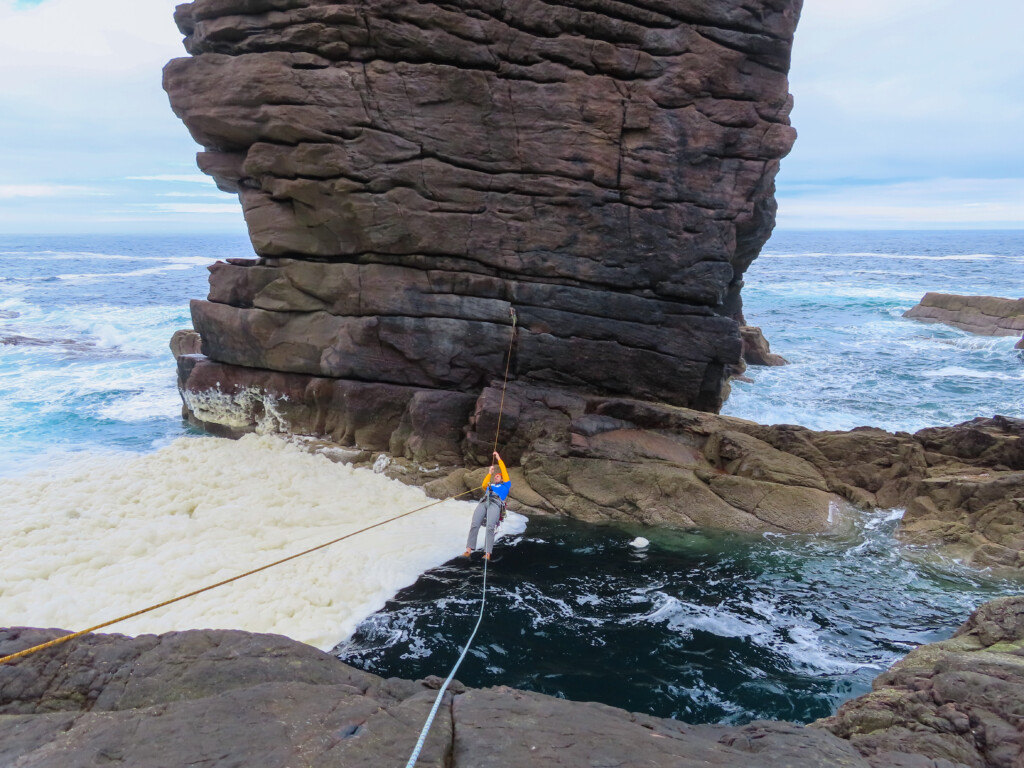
(984, 315)
(222, 698)
(412, 171)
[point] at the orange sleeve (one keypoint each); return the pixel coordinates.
(486, 482)
(504, 472)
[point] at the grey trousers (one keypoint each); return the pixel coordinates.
(490, 507)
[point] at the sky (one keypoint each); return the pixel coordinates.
(909, 115)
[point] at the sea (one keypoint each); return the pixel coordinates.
(110, 502)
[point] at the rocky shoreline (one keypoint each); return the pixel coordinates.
(225, 698)
(602, 459)
(572, 191)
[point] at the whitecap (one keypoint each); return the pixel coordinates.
(95, 276)
(152, 403)
(65, 255)
(959, 372)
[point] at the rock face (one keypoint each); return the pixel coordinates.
(957, 702)
(984, 315)
(221, 698)
(756, 350)
(411, 171)
(604, 459)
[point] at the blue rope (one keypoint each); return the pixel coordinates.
(440, 694)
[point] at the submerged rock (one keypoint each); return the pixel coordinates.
(984, 315)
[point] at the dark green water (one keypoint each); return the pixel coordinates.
(699, 627)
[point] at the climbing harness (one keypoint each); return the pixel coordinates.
(451, 676)
(502, 506)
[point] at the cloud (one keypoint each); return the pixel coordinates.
(897, 88)
(12, 191)
(199, 208)
(192, 195)
(192, 178)
(80, 92)
(930, 204)
(57, 39)
(888, 93)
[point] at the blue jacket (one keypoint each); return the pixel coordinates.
(498, 489)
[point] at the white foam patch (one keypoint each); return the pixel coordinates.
(239, 410)
(794, 637)
(959, 372)
(154, 402)
(879, 518)
(808, 255)
(85, 277)
(180, 261)
(112, 534)
(64, 255)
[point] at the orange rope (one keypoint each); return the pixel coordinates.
(504, 386)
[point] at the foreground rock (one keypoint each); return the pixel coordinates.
(412, 171)
(958, 702)
(221, 698)
(984, 315)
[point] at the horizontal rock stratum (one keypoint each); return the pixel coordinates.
(411, 171)
(984, 315)
(219, 698)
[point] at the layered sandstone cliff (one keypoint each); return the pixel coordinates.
(412, 171)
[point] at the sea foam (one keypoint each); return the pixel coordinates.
(115, 533)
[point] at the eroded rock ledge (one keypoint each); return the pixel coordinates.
(410, 171)
(603, 459)
(222, 698)
(984, 315)
(957, 702)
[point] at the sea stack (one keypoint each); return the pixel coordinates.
(412, 172)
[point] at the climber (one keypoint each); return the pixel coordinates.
(492, 506)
